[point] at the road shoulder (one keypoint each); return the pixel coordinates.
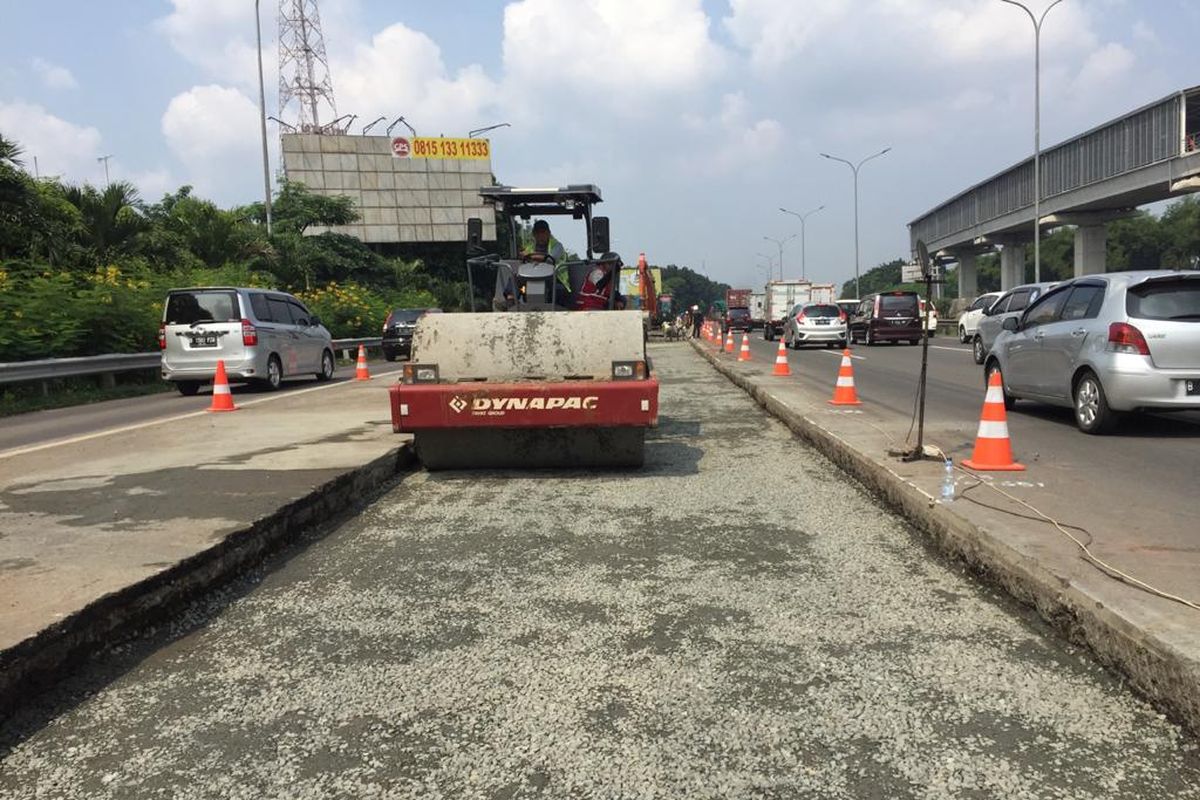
(104, 535)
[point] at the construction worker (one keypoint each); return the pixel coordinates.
(697, 321)
(543, 245)
(598, 285)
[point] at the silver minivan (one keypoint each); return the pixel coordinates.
(262, 335)
(1011, 304)
(1106, 344)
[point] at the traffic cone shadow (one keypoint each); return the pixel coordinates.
(222, 399)
(844, 393)
(993, 448)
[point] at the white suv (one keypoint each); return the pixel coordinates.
(968, 321)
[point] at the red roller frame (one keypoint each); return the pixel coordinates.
(567, 404)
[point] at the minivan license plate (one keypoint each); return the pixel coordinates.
(1193, 387)
(210, 340)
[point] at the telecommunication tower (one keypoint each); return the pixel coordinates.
(305, 87)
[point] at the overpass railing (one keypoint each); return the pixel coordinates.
(1147, 136)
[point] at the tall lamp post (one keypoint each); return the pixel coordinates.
(855, 168)
(1037, 131)
(803, 238)
(262, 109)
(780, 243)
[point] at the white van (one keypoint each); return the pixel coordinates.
(262, 335)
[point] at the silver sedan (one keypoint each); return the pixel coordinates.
(1106, 344)
(815, 323)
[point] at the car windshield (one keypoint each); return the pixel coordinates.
(895, 304)
(738, 312)
(190, 308)
(822, 311)
(1172, 299)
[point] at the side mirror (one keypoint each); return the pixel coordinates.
(1011, 324)
(314, 320)
(474, 233)
(600, 235)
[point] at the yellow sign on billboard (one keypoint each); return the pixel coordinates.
(429, 147)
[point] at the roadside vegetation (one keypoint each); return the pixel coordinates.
(84, 269)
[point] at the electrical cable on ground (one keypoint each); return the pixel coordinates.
(1099, 563)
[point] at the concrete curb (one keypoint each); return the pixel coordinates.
(1166, 676)
(40, 661)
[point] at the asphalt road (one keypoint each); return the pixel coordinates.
(40, 427)
(1142, 478)
(695, 629)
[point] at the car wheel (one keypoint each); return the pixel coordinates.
(977, 349)
(962, 334)
(768, 334)
(389, 355)
(326, 372)
(1092, 413)
(1009, 400)
(274, 374)
(188, 388)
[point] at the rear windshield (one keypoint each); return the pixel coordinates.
(824, 310)
(898, 304)
(739, 312)
(188, 308)
(1172, 299)
(407, 314)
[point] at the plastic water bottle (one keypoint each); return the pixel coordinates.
(948, 483)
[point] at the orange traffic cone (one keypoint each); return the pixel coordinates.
(781, 363)
(844, 393)
(993, 449)
(361, 373)
(744, 353)
(729, 342)
(222, 400)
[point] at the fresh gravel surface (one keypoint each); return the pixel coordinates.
(735, 620)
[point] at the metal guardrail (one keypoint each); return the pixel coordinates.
(52, 368)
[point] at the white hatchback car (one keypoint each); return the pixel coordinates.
(815, 323)
(968, 321)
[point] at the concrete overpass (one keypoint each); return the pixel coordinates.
(1148, 155)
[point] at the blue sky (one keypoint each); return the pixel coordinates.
(698, 118)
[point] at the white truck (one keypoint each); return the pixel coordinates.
(758, 308)
(823, 293)
(781, 296)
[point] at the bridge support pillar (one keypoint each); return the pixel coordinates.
(968, 276)
(1012, 266)
(1091, 249)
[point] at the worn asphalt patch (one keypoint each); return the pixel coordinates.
(735, 620)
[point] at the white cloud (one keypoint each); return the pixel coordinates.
(632, 47)
(218, 35)
(54, 76)
(400, 72)
(62, 148)
(731, 139)
(69, 152)
(776, 32)
(214, 131)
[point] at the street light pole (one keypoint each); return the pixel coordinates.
(262, 108)
(104, 160)
(803, 238)
(1037, 132)
(780, 243)
(854, 168)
